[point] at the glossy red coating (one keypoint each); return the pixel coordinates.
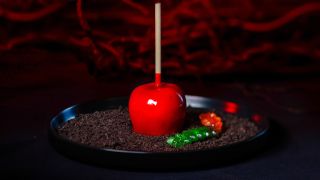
(157, 110)
(158, 79)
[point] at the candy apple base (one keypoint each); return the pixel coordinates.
(157, 110)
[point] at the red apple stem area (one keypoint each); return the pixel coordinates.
(158, 79)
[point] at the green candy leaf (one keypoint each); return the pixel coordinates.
(190, 136)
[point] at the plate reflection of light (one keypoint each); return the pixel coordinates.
(231, 107)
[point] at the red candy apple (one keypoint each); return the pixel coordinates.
(157, 109)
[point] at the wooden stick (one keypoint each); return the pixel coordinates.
(158, 43)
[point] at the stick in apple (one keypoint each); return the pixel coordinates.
(158, 43)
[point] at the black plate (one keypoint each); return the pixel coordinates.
(134, 159)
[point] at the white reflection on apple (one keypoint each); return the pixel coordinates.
(152, 102)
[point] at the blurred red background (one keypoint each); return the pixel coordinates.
(200, 38)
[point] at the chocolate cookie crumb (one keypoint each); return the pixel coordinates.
(112, 129)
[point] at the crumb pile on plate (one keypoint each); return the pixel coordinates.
(112, 129)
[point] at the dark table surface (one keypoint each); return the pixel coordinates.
(33, 90)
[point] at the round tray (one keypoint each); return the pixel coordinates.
(160, 160)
